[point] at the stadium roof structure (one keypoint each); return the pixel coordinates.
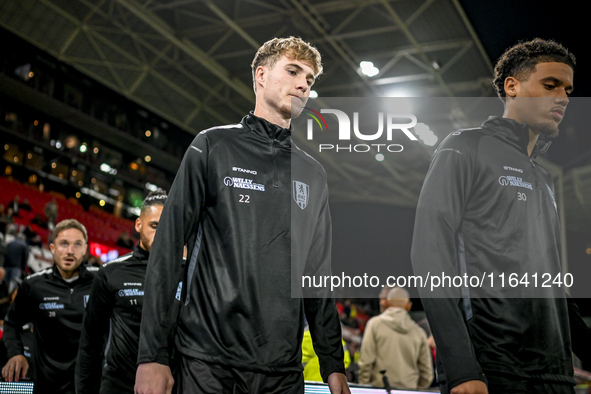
(189, 62)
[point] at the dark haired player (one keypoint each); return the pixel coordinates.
(115, 310)
(53, 300)
(469, 222)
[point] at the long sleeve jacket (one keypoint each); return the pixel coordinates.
(253, 211)
(107, 358)
(55, 307)
(487, 207)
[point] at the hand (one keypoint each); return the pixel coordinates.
(153, 378)
(337, 383)
(16, 367)
(431, 342)
(470, 387)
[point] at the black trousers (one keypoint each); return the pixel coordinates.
(505, 385)
(198, 377)
(526, 386)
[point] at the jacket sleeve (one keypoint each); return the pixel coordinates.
(439, 215)
(368, 353)
(425, 364)
(95, 328)
(580, 333)
(179, 220)
(321, 313)
(19, 314)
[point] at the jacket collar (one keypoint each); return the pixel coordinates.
(82, 271)
(267, 130)
(517, 132)
(140, 253)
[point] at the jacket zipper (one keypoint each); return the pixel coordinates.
(275, 175)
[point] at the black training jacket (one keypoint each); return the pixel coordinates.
(112, 319)
(55, 307)
(247, 202)
(485, 206)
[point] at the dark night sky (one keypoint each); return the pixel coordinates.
(502, 23)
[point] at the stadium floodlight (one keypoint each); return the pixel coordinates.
(151, 187)
(425, 134)
(367, 68)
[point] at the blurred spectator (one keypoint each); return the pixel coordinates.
(39, 221)
(2, 250)
(125, 241)
(395, 343)
(15, 261)
(361, 317)
(93, 261)
(3, 218)
(310, 359)
(25, 206)
(51, 210)
(9, 218)
(384, 298)
(352, 337)
(14, 205)
(40, 258)
(11, 230)
(347, 314)
(5, 298)
(424, 324)
(32, 238)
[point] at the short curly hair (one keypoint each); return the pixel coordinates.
(520, 60)
(157, 197)
(294, 47)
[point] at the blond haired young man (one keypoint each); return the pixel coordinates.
(239, 330)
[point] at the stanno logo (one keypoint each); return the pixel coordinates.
(238, 169)
(301, 191)
(242, 183)
(514, 181)
(86, 298)
(507, 168)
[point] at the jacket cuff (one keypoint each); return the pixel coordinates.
(14, 351)
(465, 378)
(162, 357)
(326, 374)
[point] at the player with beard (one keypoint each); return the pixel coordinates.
(487, 206)
(114, 312)
(54, 301)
